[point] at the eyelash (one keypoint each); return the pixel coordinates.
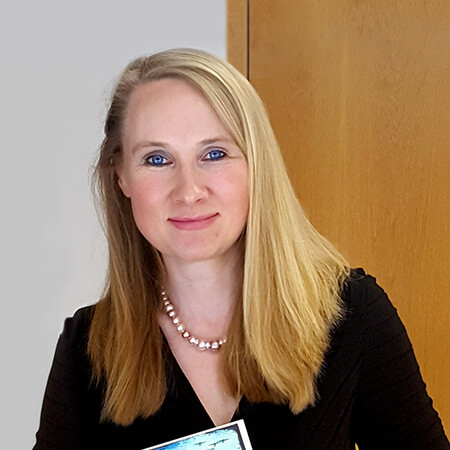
(150, 159)
(221, 155)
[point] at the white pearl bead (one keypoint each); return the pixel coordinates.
(201, 344)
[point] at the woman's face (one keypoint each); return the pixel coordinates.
(185, 176)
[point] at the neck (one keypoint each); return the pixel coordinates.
(205, 293)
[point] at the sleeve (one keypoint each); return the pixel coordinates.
(392, 408)
(66, 411)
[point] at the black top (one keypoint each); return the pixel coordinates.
(371, 392)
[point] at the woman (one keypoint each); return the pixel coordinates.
(222, 301)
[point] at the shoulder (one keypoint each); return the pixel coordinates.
(361, 285)
(71, 403)
(363, 296)
(383, 341)
(76, 329)
(392, 407)
(370, 318)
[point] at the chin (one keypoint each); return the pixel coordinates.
(199, 254)
(196, 257)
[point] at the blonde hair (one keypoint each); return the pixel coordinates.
(292, 276)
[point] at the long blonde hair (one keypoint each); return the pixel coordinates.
(292, 276)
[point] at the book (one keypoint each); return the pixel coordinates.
(231, 436)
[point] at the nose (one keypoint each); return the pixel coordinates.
(190, 186)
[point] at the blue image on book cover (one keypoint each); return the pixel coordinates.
(223, 439)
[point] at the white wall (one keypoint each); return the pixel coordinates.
(59, 60)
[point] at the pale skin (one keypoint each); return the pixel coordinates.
(188, 184)
(207, 308)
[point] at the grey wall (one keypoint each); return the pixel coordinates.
(59, 60)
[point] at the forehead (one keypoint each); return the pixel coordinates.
(169, 104)
(163, 90)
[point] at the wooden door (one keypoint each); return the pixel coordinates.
(358, 92)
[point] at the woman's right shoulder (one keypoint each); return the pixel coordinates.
(75, 332)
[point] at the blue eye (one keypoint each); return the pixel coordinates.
(215, 155)
(156, 160)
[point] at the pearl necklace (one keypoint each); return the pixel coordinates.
(201, 344)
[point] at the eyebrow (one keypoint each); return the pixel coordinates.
(144, 144)
(216, 139)
(207, 141)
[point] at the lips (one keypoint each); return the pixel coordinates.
(193, 223)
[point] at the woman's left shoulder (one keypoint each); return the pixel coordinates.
(361, 294)
(391, 394)
(359, 283)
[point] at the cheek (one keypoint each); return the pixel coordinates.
(146, 201)
(244, 205)
(146, 190)
(237, 192)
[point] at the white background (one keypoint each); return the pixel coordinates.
(59, 60)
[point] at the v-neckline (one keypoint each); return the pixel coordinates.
(183, 386)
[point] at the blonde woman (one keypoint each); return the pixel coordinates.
(222, 302)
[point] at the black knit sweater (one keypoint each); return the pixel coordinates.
(371, 393)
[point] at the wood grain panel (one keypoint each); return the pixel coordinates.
(359, 95)
(237, 34)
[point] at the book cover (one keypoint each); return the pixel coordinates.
(231, 436)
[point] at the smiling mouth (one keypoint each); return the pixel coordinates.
(193, 223)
